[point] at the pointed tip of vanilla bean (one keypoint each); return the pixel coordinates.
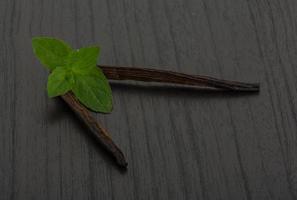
(246, 87)
(122, 163)
(120, 159)
(255, 87)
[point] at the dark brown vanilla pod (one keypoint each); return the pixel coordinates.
(163, 76)
(97, 130)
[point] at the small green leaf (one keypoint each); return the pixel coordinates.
(51, 52)
(82, 59)
(93, 90)
(59, 82)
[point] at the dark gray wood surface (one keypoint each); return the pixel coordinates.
(179, 144)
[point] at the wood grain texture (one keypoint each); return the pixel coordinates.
(179, 144)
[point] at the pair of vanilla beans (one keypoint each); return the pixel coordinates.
(148, 75)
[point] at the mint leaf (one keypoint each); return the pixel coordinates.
(93, 90)
(74, 70)
(51, 52)
(84, 58)
(59, 82)
(91, 87)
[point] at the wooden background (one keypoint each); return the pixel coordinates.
(179, 144)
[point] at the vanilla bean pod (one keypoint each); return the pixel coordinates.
(163, 76)
(97, 130)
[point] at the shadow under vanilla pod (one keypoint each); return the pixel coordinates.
(83, 84)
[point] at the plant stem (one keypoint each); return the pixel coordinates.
(163, 76)
(97, 130)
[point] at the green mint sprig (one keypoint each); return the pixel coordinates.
(74, 70)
